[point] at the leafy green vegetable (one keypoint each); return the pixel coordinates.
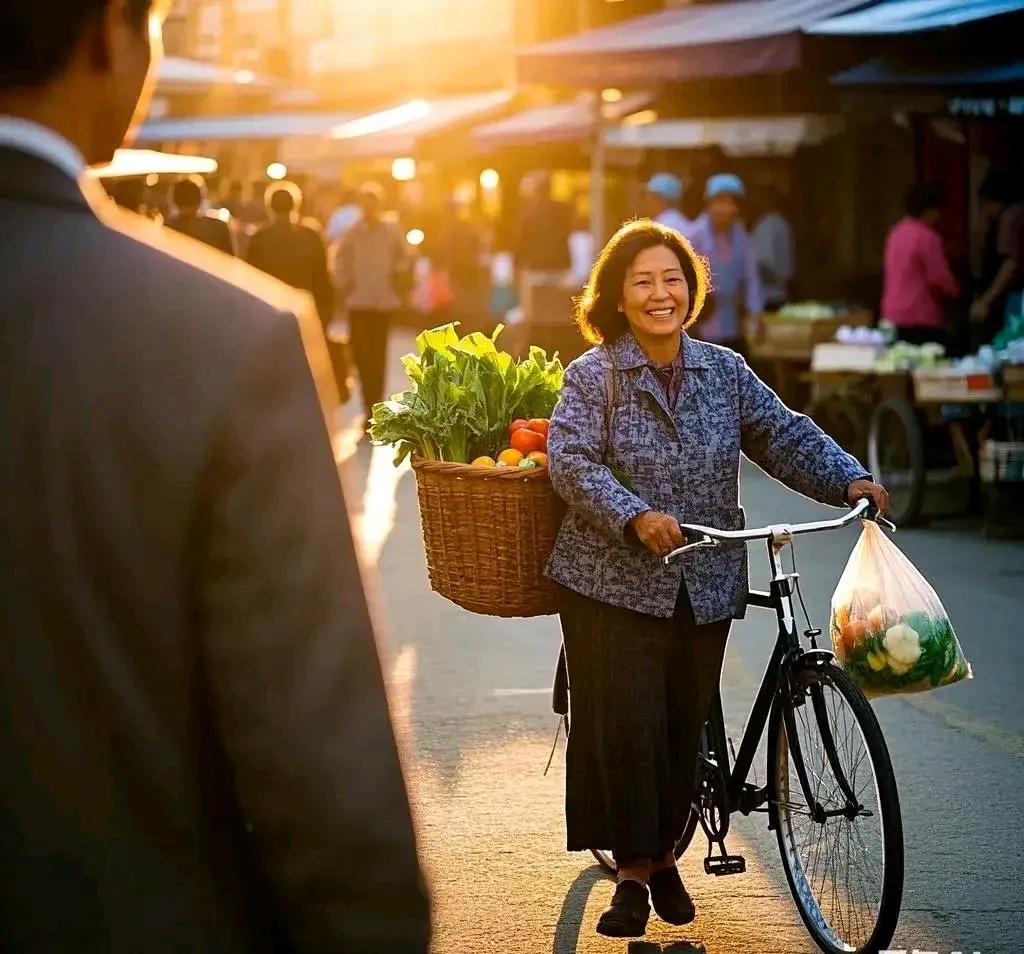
(463, 394)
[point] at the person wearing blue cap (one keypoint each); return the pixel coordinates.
(721, 238)
(664, 191)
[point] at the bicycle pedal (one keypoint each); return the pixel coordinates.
(725, 865)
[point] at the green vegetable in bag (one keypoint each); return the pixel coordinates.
(889, 629)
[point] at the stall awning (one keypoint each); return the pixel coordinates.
(129, 163)
(739, 136)
(398, 130)
(175, 74)
(739, 38)
(892, 71)
(556, 122)
(912, 16)
(263, 126)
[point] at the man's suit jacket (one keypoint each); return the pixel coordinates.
(196, 753)
(295, 255)
(205, 228)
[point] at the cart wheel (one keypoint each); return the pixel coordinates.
(896, 456)
(845, 423)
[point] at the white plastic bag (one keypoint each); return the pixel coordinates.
(889, 630)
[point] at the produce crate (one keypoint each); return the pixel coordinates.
(834, 356)
(947, 386)
(784, 337)
(488, 533)
(1013, 382)
(1002, 462)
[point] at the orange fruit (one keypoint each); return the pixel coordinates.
(510, 457)
(540, 457)
(485, 462)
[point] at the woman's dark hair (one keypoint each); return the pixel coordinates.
(597, 309)
(38, 38)
(924, 196)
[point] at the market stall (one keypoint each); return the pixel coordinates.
(782, 343)
(941, 435)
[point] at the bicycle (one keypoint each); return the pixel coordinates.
(829, 826)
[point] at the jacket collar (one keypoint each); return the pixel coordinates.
(628, 355)
(28, 178)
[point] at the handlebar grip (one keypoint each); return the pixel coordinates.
(872, 512)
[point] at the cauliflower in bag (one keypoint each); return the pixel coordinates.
(889, 628)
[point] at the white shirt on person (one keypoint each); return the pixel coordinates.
(675, 219)
(43, 143)
(772, 239)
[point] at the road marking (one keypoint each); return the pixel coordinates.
(960, 719)
(523, 692)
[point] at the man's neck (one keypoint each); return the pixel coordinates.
(46, 108)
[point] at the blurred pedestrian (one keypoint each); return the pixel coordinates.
(772, 239)
(917, 278)
(188, 197)
(344, 216)
(291, 251)
(1002, 276)
(372, 272)
(195, 742)
(721, 238)
(542, 248)
(664, 191)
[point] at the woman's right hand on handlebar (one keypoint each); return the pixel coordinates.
(658, 532)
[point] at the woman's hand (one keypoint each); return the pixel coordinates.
(658, 532)
(865, 488)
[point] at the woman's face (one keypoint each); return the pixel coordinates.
(655, 297)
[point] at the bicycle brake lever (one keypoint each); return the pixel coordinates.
(888, 524)
(704, 542)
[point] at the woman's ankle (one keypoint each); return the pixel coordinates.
(638, 871)
(667, 860)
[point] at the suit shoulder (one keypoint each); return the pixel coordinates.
(179, 275)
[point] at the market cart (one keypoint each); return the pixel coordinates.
(781, 343)
(928, 438)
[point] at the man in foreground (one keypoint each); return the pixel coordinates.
(195, 743)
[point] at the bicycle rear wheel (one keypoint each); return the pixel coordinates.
(845, 869)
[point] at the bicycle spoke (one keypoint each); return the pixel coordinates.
(839, 861)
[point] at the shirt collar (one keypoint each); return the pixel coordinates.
(42, 142)
(628, 354)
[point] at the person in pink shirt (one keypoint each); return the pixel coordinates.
(917, 274)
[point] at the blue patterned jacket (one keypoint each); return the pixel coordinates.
(685, 463)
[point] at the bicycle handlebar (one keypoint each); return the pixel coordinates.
(864, 509)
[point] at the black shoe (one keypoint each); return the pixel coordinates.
(669, 896)
(627, 915)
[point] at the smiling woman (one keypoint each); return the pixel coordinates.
(648, 431)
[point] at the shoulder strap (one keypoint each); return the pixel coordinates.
(612, 378)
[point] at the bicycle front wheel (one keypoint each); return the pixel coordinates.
(845, 864)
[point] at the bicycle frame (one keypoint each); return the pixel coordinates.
(788, 659)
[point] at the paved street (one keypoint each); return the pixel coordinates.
(471, 703)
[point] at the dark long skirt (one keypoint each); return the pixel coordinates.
(639, 691)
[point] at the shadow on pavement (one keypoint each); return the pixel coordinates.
(677, 947)
(570, 918)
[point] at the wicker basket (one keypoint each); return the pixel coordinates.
(488, 533)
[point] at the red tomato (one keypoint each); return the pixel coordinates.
(516, 424)
(528, 441)
(538, 424)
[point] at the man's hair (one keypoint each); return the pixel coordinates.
(187, 193)
(924, 196)
(283, 198)
(38, 39)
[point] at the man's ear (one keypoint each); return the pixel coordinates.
(99, 39)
